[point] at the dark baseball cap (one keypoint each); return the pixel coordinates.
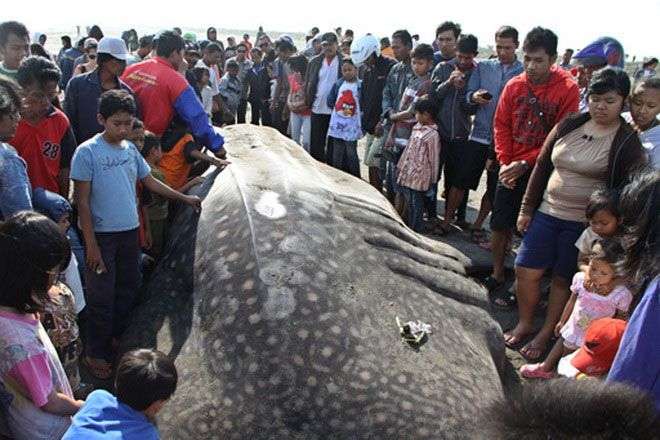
(285, 41)
(329, 37)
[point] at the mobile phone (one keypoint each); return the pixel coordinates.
(487, 95)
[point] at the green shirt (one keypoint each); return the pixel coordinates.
(8, 72)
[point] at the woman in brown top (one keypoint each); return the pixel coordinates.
(581, 154)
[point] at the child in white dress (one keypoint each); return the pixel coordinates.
(597, 293)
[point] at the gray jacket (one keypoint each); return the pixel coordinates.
(230, 90)
(397, 80)
(490, 75)
(243, 69)
(454, 117)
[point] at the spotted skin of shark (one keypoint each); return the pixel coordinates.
(278, 304)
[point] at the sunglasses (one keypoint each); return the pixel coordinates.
(91, 57)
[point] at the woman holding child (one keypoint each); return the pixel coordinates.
(582, 153)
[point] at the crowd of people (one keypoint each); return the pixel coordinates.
(571, 151)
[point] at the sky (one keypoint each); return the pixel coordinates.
(576, 22)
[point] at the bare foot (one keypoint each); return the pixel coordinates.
(517, 334)
(536, 347)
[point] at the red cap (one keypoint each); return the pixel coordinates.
(601, 342)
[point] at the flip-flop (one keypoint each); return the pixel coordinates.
(534, 371)
(503, 299)
(519, 340)
(540, 350)
(96, 370)
(514, 344)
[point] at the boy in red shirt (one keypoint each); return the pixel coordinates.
(43, 138)
(530, 105)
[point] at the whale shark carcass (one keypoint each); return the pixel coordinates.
(279, 303)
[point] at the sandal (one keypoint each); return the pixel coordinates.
(534, 371)
(505, 300)
(98, 368)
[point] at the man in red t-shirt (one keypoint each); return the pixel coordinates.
(43, 138)
(529, 106)
(162, 92)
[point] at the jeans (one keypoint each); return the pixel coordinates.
(390, 179)
(110, 295)
(300, 125)
(318, 137)
(260, 111)
(281, 125)
(344, 156)
(242, 109)
(415, 207)
(431, 202)
(78, 249)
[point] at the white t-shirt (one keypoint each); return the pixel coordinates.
(214, 81)
(72, 280)
(207, 99)
(327, 79)
(345, 120)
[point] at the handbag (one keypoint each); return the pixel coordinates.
(534, 102)
(393, 147)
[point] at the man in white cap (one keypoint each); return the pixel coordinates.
(374, 68)
(83, 92)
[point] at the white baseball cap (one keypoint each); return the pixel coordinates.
(363, 47)
(113, 46)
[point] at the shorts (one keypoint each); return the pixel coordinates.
(506, 204)
(465, 163)
(550, 243)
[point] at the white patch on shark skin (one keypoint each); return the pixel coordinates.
(222, 270)
(296, 245)
(280, 304)
(269, 205)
